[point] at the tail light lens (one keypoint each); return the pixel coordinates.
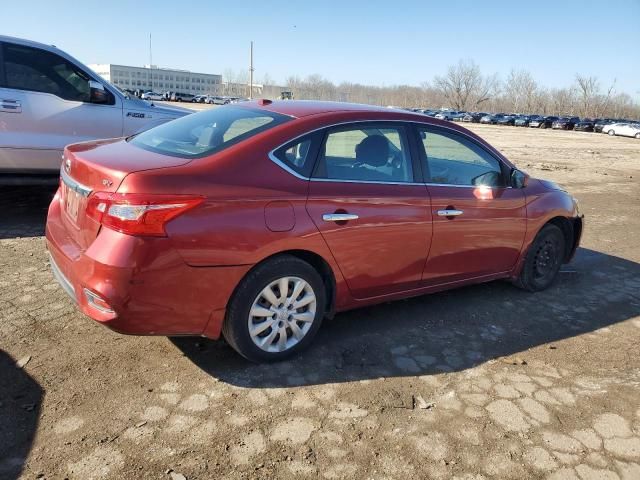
(138, 214)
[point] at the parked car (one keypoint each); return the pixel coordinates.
(565, 123)
(217, 100)
(543, 122)
(521, 121)
(473, 117)
(181, 97)
(257, 233)
(533, 119)
(600, 123)
(152, 96)
(506, 120)
(48, 99)
(623, 129)
(449, 115)
(492, 118)
(585, 125)
(200, 98)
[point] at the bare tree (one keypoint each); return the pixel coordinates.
(562, 101)
(588, 88)
(267, 80)
(604, 103)
(465, 87)
(520, 89)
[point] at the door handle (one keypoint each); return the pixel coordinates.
(10, 106)
(449, 213)
(339, 217)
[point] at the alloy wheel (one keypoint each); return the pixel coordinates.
(282, 314)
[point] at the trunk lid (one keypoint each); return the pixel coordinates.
(99, 166)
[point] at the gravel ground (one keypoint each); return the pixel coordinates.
(481, 382)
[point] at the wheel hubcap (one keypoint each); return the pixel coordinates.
(282, 314)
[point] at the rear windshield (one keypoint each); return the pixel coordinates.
(201, 134)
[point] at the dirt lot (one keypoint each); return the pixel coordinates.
(481, 382)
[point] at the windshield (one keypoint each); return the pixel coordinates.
(207, 132)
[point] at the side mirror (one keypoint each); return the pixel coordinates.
(519, 179)
(98, 94)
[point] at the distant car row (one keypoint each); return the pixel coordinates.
(187, 97)
(611, 126)
(184, 97)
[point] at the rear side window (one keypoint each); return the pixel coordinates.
(366, 153)
(201, 134)
(300, 154)
(28, 68)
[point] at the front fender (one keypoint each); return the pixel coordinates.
(544, 203)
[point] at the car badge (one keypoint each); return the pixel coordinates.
(106, 182)
(67, 165)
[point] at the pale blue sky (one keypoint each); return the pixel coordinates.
(373, 42)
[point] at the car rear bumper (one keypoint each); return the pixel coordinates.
(139, 286)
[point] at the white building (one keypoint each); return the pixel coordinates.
(160, 80)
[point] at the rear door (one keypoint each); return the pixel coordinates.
(479, 222)
(373, 215)
(44, 105)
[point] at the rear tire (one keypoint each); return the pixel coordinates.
(638, 136)
(262, 322)
(543, 260)
(611, 133)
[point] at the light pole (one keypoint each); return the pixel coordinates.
(251, 71)
(150, 63)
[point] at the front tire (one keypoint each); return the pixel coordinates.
(276, 311)
(543, 260)
(611, 133)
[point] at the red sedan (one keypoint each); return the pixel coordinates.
(258, 220)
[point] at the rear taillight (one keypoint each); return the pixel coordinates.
(138, 214)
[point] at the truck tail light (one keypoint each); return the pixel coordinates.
(138, 214)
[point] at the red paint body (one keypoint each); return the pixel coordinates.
(254, 209)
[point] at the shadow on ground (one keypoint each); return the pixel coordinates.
(23, 210)
(443, 332)
(20, 401)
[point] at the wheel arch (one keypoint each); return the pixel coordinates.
(317, 262)
(571, 229)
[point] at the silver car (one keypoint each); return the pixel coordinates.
(48, 100)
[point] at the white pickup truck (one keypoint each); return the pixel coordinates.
(48, 100)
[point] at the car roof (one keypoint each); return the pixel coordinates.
(303, 108)
(28, 43)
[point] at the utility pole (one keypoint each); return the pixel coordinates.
(150, 62)
(251, 71)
